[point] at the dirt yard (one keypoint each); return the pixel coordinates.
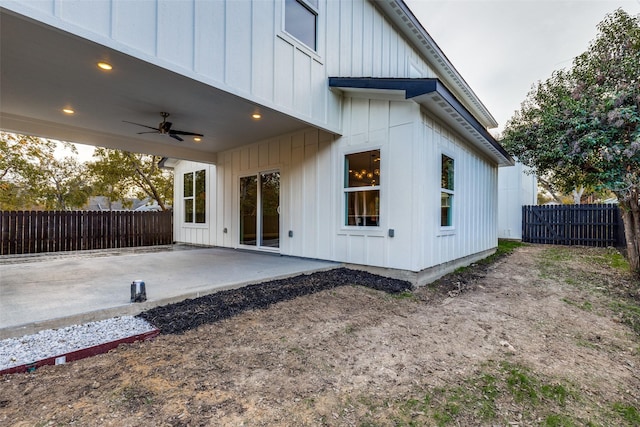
(545, 336)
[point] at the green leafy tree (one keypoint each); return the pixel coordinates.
(110, 176)
(31, 176)
(18, 155)
(62, 184)
(119, 175)
(581, 127)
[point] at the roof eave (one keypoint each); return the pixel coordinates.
(400, 14)
(437, 99)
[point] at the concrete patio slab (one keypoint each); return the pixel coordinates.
(55, 290)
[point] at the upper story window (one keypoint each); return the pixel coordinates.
(195, 197)
(301, 21)
(362, 189)
(446, 192)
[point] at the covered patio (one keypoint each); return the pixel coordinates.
(54, 86)
(61, 289)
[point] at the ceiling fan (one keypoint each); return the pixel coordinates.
(164, 128)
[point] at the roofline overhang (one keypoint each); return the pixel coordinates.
(400, 14)
(167, 163)
(437, 99)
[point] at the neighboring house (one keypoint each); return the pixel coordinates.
(102, 203)
(335, 130)
(516, 188)
(149, 207)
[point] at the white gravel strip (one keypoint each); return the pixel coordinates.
(56, 342)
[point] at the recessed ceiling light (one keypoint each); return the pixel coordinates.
(197, 139)
(256, 116)
(105, 66)
(68, 111)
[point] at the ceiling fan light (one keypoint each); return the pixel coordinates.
(197, 139)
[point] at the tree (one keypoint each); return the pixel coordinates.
(119, 175)
(18, 153)
(62, 184)
(32, 176)
(581, 127)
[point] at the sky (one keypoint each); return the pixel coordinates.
(502, 47)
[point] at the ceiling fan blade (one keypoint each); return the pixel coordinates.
(180, 132)
(174, 136)
(153, 131)
(138, 124)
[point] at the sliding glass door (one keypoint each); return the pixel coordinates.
(260, 210)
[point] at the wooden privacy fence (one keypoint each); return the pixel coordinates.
(586, 225)
(27, 232)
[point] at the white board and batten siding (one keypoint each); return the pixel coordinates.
(475, 199)
(411, 144)
(516, 188)
(372, 124)
(368, 44)
(305, 163)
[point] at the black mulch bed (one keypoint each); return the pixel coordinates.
(189, 314)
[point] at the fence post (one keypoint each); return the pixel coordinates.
(4, 227)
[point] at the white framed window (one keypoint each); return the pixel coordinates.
(447, 191)
(195, 197)
(301, 21)
(362, 189)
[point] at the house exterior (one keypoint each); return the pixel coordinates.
(333, 129)
(516, 188)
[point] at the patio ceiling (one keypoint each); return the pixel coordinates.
(43, 70)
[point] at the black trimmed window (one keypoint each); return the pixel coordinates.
(446, 192)
(301, 21)
(362, 189)
(195, 197)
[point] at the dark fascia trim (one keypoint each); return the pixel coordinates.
(162, 162)
(411, 87)
(414, 88)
